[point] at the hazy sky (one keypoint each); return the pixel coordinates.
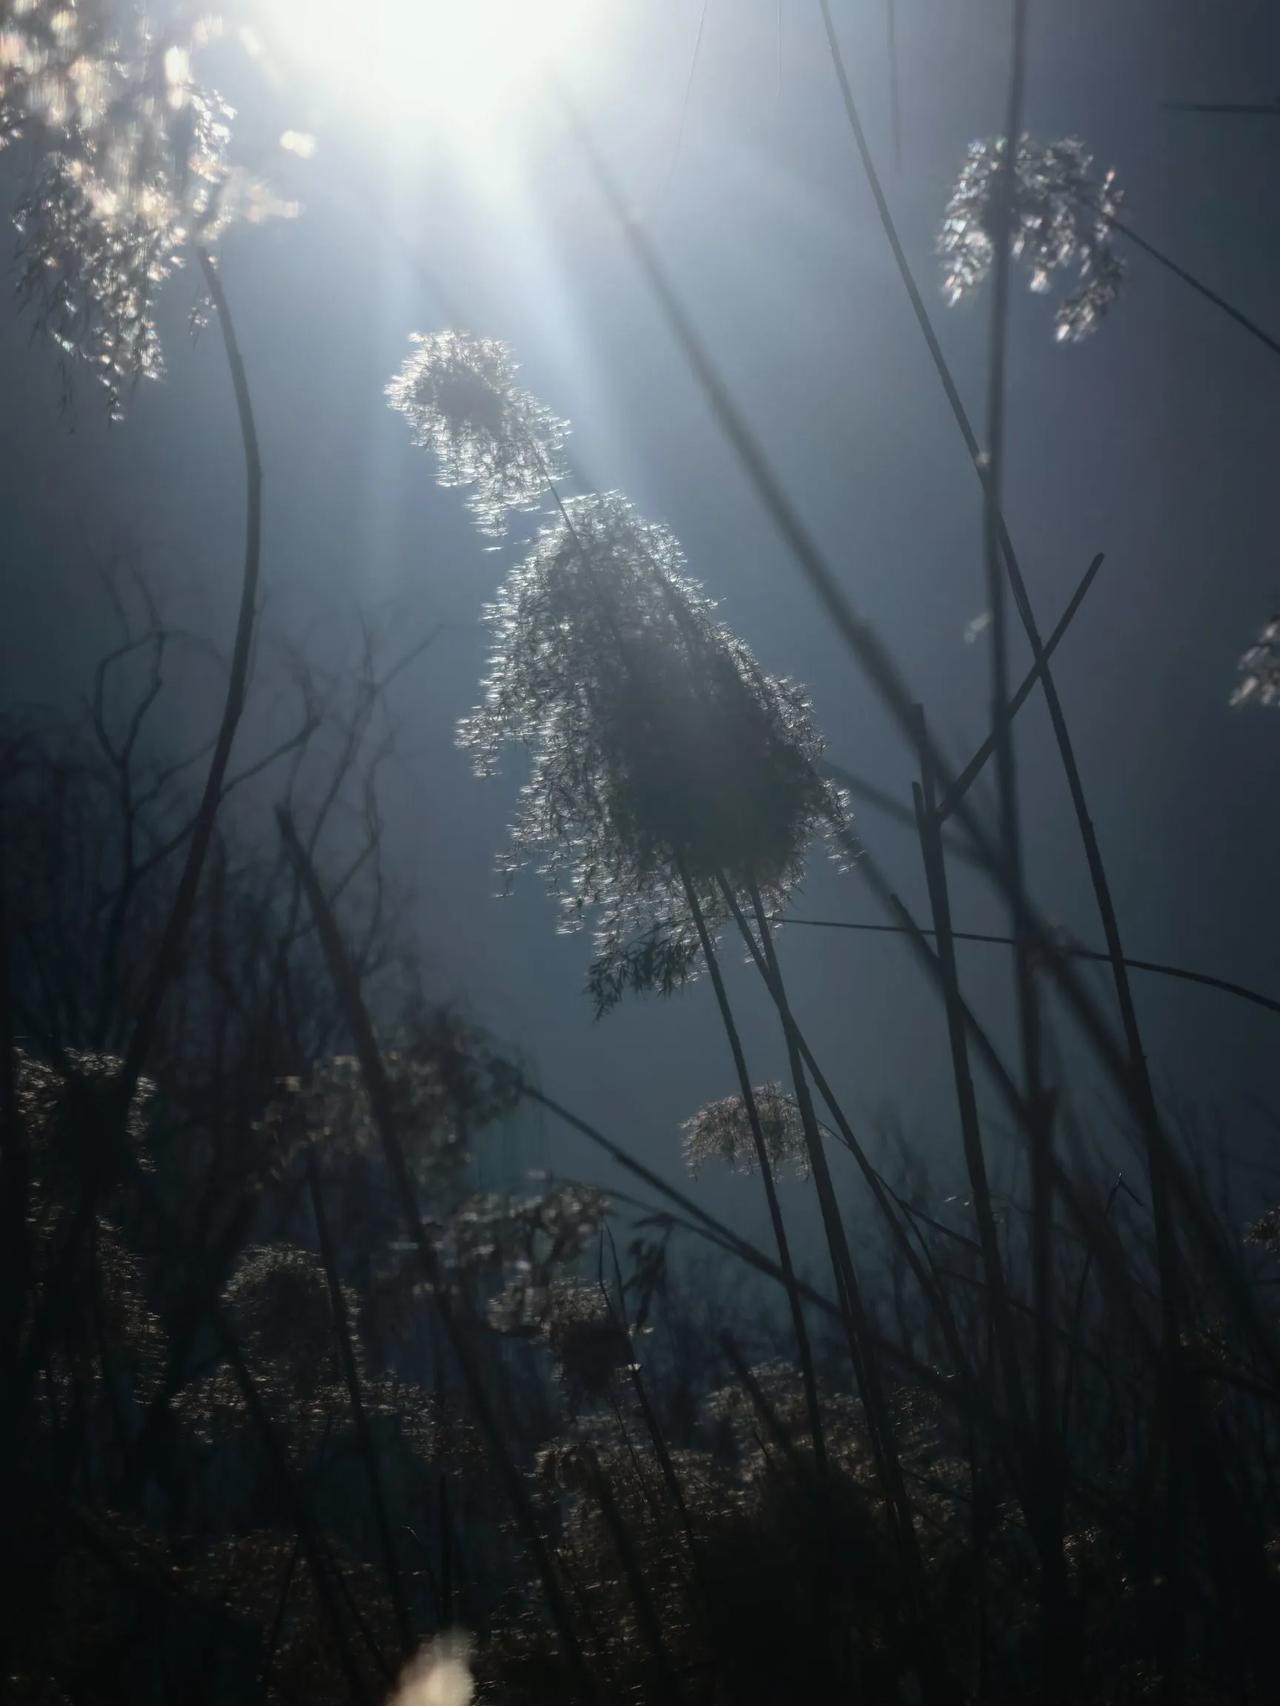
(1155, 441)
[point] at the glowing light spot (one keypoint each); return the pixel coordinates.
(440, 1675)
(298, 142)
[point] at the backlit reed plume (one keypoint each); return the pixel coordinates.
(1260, 669)
(460, 398)
(663, 758)
(721, 1131)
(130, 167)
(1060, 221)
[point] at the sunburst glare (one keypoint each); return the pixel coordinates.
(461, 70)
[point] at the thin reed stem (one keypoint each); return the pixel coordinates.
(865, 645)
(169, 955)
(300, 1512)
(861, 1346)
(998, 542)
(1034, 675)
(359, 1416)
(880, 1195)
(715, 1232)
(966, 1099)
(1046, 1508)
(656, 1437)
(647, 1620)
(1201, 289)
(1073, 951)
(803, 1346)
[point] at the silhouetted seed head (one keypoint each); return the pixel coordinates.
(658, 744)
(66, 1112)
(779, 1390)
(280, 1312)
(534, 1235)
(1260, 669)
(1060, 219)
(721, 1131)
(1265, 1231)
(279, 1305)
(447, 1081)
(106, 1305)
(460, 397)
(573, 1319)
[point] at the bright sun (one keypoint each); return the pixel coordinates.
(413, 67)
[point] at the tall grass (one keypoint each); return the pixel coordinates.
(288, 1401)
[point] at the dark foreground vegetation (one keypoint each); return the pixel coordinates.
(287, 1395)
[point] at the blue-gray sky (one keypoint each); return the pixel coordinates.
(1155, 441)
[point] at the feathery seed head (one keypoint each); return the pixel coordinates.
(131, 164)
(660, 748)
(721, 1131)
(1060, 218)
(460, 397)
(447, 1080)
(279, 1300)
(1260, 669)
(573, 1319)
